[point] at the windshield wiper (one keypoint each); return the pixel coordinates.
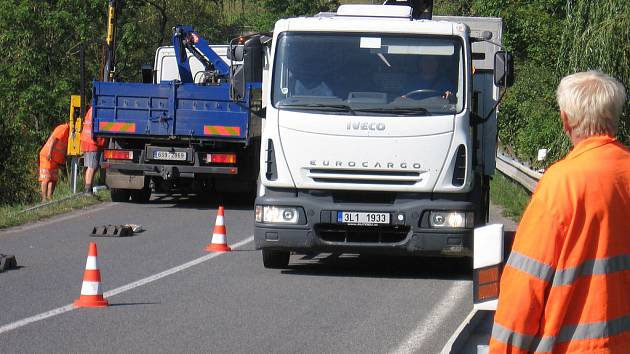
(320, 106)
(399, 110)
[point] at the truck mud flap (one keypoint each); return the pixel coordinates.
(7, 262)
(112, 231)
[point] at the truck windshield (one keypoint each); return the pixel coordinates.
(370, 74)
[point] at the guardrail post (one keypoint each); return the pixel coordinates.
(75, 173)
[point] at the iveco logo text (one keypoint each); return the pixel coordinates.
(365, 126)
(365, 164)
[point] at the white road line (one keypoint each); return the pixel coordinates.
(467, 324)
(122, 289)
(434, 320)
(73, 214)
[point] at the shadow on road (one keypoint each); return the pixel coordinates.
(12, 269)
(234, 201)
(134, 303)
(371, 266)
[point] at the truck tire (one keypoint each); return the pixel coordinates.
(120, 195)
(275, 259)
(141, 196)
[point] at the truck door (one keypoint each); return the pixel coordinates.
(485, 93)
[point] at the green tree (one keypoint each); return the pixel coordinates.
(299, 7)
(38, 72)
(597, 37)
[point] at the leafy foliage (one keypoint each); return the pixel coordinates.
(38, 73)
(551, 39)
(597, 36)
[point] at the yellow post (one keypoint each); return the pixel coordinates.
(76, 124)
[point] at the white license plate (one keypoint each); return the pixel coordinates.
(362, 218)
(167, 155)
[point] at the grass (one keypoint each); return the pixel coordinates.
(511, 196)
(10, 215)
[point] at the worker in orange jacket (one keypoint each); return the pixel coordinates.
(92, 149)
(51, 157)
(566, 284)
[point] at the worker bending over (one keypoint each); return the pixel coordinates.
(51, 157)
(566, 283)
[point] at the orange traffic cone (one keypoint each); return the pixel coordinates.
(219, 240)
(91, 292)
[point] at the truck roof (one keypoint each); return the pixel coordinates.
(369, 18)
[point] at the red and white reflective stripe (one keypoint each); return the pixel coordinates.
(219, 220)
(487, 263)
(91, 288)
(219, 238)
(91, 263)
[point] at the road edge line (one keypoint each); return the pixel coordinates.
(463, 332)
(427, 327)
(121, 289)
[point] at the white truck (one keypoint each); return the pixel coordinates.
(380, 133)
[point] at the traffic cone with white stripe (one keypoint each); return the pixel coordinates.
(219, 237)
(91, 292)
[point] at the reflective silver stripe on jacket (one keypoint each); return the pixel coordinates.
(592, 267)
(523, 341)
(531, 266)
(567, 276)
(567, 333)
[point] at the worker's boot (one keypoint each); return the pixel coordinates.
(88, 189)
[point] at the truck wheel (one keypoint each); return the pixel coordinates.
(141, 196)
(120, 195)
(275, 259)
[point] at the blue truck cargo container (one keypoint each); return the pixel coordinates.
(184, 134)
(170, 110)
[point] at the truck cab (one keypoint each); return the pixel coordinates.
(372, 141)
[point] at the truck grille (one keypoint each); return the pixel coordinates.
(400, 178)
(362, 234)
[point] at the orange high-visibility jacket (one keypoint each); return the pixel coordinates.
(88, 144)
(566, 285)
(58, 156)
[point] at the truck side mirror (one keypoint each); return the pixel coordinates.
(251, 53)
(503, 69)
(236, 53)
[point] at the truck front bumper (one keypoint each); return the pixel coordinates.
(408, 233)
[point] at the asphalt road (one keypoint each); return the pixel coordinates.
(168, 295)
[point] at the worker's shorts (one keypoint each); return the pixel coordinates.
(48, 175)
(92, 159)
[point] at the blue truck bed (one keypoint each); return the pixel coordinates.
(169, 110)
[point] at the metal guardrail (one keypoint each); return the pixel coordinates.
(518, 172)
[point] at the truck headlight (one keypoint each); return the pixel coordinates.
(271, 214)
(451, 219)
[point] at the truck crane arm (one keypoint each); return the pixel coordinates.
(110, 42)
(184, 37)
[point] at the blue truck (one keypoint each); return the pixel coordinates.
(199, 131)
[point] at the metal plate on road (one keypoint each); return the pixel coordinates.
(171, 156)
(363, 218)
